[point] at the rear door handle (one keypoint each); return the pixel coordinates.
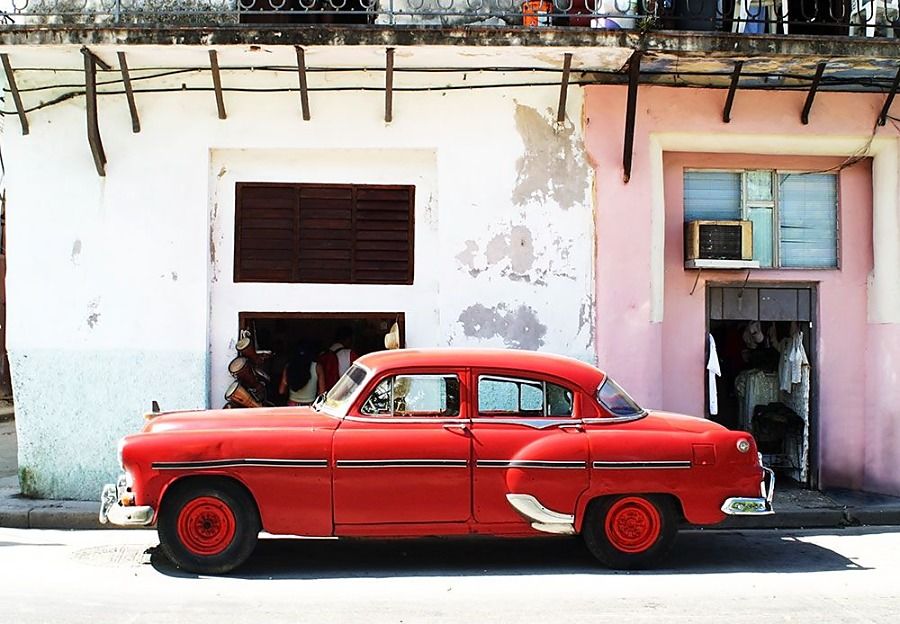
(462, 428)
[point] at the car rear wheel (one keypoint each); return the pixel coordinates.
(632, 531)
(208, 527)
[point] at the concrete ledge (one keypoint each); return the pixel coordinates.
(800, 519)
(875, 516)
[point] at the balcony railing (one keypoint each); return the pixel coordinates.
(815, 17)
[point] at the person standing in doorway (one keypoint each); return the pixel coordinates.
(300, 378)
(337, 359)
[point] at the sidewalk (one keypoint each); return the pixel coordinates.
(794, 508)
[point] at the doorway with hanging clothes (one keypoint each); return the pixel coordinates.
(761, 369)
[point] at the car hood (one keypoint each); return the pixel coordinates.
(680, 422)
(233, 419)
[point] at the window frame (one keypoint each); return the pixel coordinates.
(476, 408)
(746, 204)
(407, 416)
(297, 187)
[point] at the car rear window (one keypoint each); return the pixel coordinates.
(611, 396)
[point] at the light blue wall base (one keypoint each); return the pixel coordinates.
(73, 406)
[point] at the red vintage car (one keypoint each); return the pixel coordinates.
(437, 442)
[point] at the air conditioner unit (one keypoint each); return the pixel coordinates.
(719, 245)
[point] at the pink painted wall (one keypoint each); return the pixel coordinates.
(662, 364)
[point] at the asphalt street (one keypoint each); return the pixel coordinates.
(842, 575)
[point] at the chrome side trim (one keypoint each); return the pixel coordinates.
(406, 420)
(641, 465)
(534, 423)
(402, 463)
(531, 463)
(613, 419)
(242, 463)
(543, 519)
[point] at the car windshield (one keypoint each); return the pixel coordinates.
(616, 400)
(336, 399)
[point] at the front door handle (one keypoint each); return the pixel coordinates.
(572, 428)
(462, 428)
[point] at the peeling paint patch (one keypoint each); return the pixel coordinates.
(93, 316)
(553, 166)
(519, 328)
(516, 248)
(76, 250)
(174, 276)
(214, 268)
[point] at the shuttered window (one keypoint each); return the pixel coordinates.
(808, 208)
(324, 233)
(794, 223)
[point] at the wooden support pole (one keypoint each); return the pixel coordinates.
(304, 89)
(129, 93)
(90, 95)
(732, 89)
(217, 83)
(389, 86)
(882, 118)
(564, 88)
(17, 99)
(634, 73)
(804, 116)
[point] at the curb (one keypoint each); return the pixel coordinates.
(26, 514)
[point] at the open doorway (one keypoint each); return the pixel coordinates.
(764, 337)
(280, 334)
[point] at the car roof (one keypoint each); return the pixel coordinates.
(514, 360)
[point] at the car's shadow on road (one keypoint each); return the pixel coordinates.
(695, 552)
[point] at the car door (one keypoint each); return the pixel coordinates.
(402, 454)
(526, 439)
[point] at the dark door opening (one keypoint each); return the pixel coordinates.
(764, 342)
(283, 333)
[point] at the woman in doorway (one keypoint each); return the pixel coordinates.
(300, 379)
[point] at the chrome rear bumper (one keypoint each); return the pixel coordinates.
(112, 510)
(751, 506)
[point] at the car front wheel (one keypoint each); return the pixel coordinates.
(632, 531)
(208, 528)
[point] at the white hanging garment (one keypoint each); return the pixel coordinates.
(712, 366)
(797, 358)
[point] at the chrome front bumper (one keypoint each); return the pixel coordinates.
(749, 506)
(112, 510)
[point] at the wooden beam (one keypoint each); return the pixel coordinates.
(217, 83)
(90, 95)
(304, 89)
(732, 89)
(17, 99)
(804, 116)
(129, 93)
(882, 118)
(389, 86)
(634, 72)
(564, 88)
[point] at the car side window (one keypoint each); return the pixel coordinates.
(505, 396)
(414, 395)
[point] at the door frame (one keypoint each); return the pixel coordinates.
(812, 355)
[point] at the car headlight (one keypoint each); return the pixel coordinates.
(743, 445)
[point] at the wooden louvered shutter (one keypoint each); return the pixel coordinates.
(266, 228)
(326, 234)
(384, 235)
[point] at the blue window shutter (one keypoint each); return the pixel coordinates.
(808, 212)
(712, 196)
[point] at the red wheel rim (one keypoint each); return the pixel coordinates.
(206, 526)
(633, 524)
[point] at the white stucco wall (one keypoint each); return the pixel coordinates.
(120, 289)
